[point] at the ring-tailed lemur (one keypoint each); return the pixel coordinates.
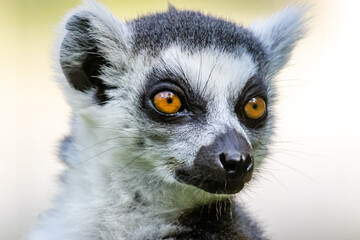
(172, 112)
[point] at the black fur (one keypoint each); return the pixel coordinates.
(221, 220)
(193, 31)
(83, 72)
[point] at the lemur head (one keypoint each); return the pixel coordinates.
(182, 98)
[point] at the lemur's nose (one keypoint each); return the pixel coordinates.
(236, 164)
(223, 166)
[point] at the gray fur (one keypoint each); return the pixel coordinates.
(120, 182)
(193, 31)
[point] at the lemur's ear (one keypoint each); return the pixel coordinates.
(280, 33)
(94, 39)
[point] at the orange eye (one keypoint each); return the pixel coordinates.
(167, 102)
(255, 108)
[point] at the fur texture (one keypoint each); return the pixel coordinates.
(120, 182)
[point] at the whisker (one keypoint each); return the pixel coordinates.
(189, 202)
(104, 141)
(136, 131)
(291, 80)
(199, 76)
(210, 74)
(120, 170)
(292, 168)
(295, 153)
(289, 86)
(180, 68)
(262, 168)
(98, 154)
(218, 93)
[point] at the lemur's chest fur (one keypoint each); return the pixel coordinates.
(221, 220)
(172, 115)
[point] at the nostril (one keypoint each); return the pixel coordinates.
(222, 158)
(248, 162)
(229, 165)
(236, 165)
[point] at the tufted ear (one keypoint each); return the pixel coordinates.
(280, 33)
(94, 40)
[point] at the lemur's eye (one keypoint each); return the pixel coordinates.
(255, 108)
(167, 102)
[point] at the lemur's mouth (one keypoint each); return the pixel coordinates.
(212, 183)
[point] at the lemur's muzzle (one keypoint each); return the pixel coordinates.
(222, 167)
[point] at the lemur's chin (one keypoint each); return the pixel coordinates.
(213, 184)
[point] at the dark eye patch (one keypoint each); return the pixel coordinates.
(165, 79)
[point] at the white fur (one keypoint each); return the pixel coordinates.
(108, 169)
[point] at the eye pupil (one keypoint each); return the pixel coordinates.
(255, 106)
(169, 100)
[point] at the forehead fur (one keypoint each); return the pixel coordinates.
(210, 72)
(193, 31)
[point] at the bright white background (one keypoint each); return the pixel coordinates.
(310, 188)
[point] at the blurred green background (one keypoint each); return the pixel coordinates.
(310, 185)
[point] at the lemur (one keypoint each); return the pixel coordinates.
(172, 114)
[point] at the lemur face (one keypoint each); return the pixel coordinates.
(190, 96)
(209, 108)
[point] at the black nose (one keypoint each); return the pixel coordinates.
(236, 164)
(222, 167)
